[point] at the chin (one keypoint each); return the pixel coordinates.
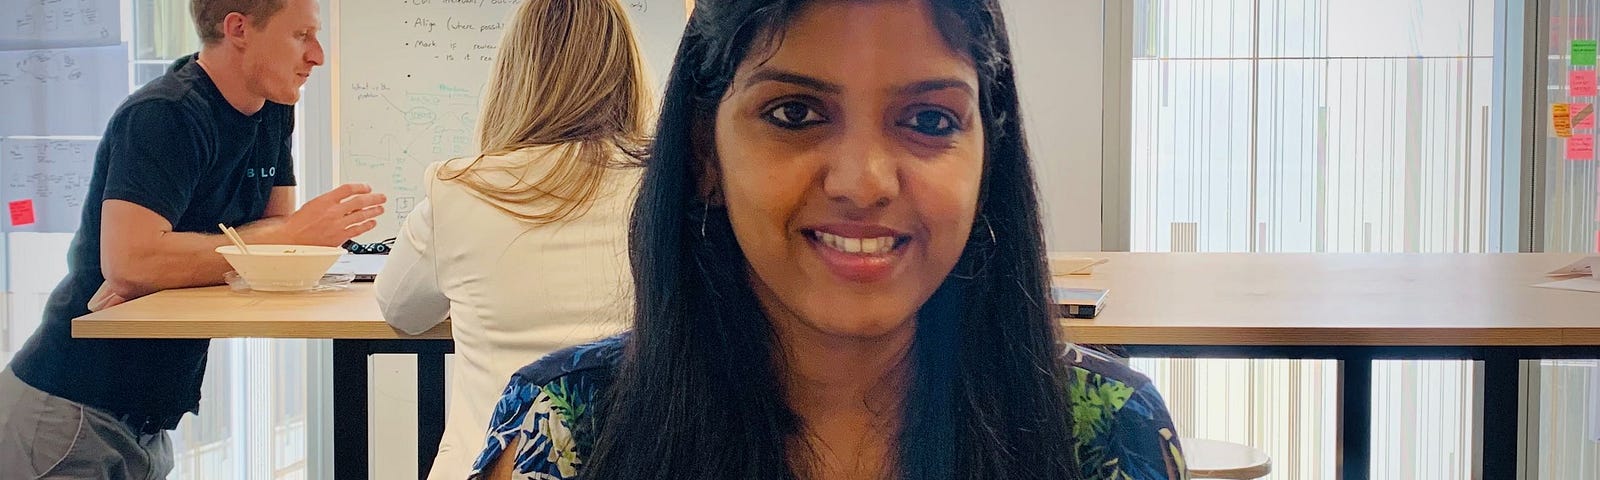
(861, 327)
(286, 98)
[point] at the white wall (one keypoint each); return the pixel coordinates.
(1057, 48)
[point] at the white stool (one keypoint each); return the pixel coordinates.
(1224, 460)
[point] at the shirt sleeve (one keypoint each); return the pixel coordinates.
(408, 288)
(1144, 439)
(533, 417)
(1120, 425)
(156, 159)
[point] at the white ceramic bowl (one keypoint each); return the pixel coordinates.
(281, 268)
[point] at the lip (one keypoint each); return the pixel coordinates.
(855, 267)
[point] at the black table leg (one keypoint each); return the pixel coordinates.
(1355, 417)
(1501, 447)
(1500, 415)
(430, 409)
(350, 409)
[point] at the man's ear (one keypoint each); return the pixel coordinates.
(234, 28)
(707, 166)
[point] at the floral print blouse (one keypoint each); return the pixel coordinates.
(1121, 426)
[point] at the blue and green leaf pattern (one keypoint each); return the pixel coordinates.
(1121, 428)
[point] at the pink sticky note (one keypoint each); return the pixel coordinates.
(1582, 83)
(1580, 146)
(1582, 115)
(21, 212)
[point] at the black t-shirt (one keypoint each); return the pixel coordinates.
(178, 148)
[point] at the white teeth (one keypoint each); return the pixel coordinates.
(866, 246)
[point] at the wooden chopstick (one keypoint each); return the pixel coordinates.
(234, 236)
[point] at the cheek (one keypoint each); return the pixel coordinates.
(759, 207)
(289, 57)
(947, 200)
(760, 180)
(273, 58)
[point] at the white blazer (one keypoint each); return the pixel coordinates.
(513, 291)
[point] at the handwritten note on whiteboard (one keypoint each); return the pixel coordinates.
(48, 176)
(1561, 120)
(37, 24)
(1583, 52)
(411, 77)
(1580, 147)
(1581, 83)
(70, 91)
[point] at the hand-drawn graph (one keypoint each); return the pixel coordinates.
(401, 133)
(61, 92)
(45, 66)
(410, 77)
(35, 24)
(52, 175)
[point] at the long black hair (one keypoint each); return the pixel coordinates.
(699, 394)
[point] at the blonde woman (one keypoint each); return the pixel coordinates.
(524, 247)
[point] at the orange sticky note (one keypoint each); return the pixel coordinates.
(1580, 147)
(1582, 83)
(1561, 118)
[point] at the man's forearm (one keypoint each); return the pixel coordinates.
(183, 259)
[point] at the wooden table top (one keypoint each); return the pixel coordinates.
(1156, 299)
(1335, 299)
(218, 312)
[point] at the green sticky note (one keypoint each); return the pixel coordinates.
(1583, 52)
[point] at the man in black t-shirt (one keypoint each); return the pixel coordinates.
(206, 143)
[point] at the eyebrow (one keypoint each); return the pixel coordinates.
(915, 88)
(784, 76)
(937, 84)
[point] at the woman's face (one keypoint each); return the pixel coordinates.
(850, 154)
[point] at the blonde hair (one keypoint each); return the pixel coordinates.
(568, 74)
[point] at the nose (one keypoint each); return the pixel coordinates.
(314, 54)
(863, 172)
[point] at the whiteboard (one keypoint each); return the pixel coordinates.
(408, 78)
(36, 24)
(51, 173)
(69, 91)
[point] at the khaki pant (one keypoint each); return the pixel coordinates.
(47, 437)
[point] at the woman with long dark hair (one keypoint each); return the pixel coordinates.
(840, 274)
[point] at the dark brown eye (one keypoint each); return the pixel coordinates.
(933, 123)
(794, 115)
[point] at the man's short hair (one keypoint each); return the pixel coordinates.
(208, 15)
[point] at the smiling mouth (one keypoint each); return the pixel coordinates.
(872, 257)
(869, 246)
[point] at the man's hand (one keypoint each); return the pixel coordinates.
(105, 298)
(330, 219)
